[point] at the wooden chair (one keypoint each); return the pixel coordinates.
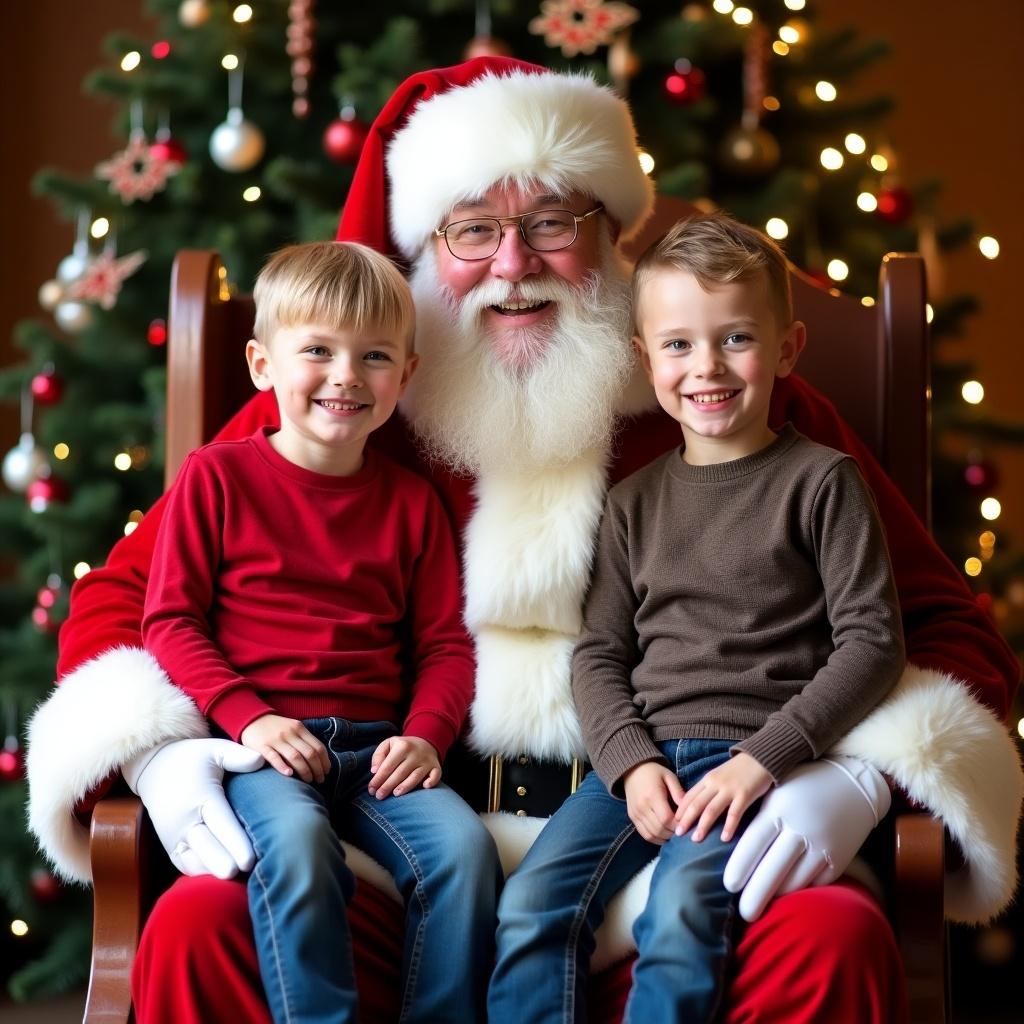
(871, 361)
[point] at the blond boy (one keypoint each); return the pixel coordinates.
(305, 594)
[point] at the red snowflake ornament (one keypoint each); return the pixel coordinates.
(581, 26)
(138, 171)
(104, 276)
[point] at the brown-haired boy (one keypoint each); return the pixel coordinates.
(305, 593)
(741, 618)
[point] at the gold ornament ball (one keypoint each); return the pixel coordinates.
(749, 152)
(487, 46)
(50, 293)
(193, 13)
(623, 63)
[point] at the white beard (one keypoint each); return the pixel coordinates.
(473, 412)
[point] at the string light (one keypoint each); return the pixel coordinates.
(160, 49)
(743, 15)
(646, 161)
(130, 528)
(989, 247)
(131, 60)
(973, 566)
(991, 509)
(879, 162)
(929, 312)
(972, 391)
(18, 927)
(795, 5)
(789, 33)
(122, 461)
(867, 202)
(867, 300)
(252, 193)
(987, 539)
(61, 451)
(1020, 727)
(723, 6)
(831, 159)
(777, 228)
(242, 13)
(855, 143)
(780, 47)
(135, 516)
(825, 91)
(838, 270)
(229, 62)
(770, 103)
(99, 227)
(81, 569)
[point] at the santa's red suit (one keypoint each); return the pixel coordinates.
(938, 736)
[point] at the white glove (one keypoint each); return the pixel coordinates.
(806, 831)
(181, 785)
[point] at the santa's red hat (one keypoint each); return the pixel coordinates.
(448, 135)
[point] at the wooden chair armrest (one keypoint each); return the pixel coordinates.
(119, 872)
(918, 911)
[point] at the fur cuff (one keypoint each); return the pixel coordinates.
(523, 700)
(104, 713)
(953, 756)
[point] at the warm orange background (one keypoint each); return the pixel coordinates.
(955, 70)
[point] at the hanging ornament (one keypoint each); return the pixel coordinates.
(166, 148)
(749, 151)
(73, 266)
(193, 13)
(50, 293)
(623, 63)
(581, 26)
(483, 44)
(895, 204)
(301, 27)
(236, 144)
(981, 476)
(47, 386)
(46, 491)
(101, 283)
(136, 172)
(156, 333)
(686, 84)
(73, 317)
(344, 137)
(45, 888)
(23, 463)
(12, 760)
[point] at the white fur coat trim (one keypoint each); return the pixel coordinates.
(530, 545)
(953, 756)
(523, 700)
(102, 714)
(558, 132)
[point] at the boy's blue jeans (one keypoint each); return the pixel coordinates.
(554, 901)
(442, 858)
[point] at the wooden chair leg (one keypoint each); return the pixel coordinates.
(118, 891)
(918, 908)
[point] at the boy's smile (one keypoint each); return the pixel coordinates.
(713, 355)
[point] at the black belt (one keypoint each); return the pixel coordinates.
(522, 785)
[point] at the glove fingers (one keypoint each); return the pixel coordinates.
(185, 860)
(233, 757)
(213, 856)
(752, 846)
(226, 830)
(805, 873)
(768, 876)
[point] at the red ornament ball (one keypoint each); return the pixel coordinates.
(343, 140)
(45, 887)
(12, 764)
(47, 387)
(157, 332)
(169, 150)
(685, 87)
(895, 204)
(981, 476)
(42, 493)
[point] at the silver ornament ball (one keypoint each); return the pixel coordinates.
(73, 317)
(236, 144)
(50, 293)
(71, 268)
(23, 463)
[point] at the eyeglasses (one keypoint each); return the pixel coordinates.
(543, 231)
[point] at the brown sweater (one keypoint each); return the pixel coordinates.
(750, 599)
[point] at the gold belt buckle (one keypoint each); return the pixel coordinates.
(497, 766)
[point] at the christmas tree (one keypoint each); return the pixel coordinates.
(241, 127)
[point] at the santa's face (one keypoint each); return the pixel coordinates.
(519, 321)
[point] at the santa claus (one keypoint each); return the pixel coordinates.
(526, 406)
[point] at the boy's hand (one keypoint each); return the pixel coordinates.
(288, 746)
(652, 794)
(731, 787)
(401, 763)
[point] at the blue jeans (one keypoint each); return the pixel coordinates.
(442, 858)
(555, 900)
